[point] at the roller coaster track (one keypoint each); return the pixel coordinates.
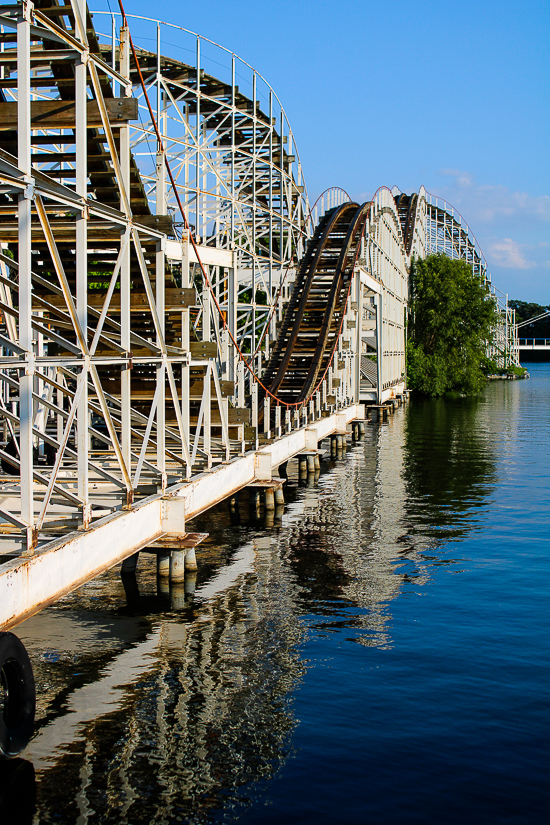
(406, 206)
(313, 318)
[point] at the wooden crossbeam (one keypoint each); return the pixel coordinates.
(60, 114)
(174, 299)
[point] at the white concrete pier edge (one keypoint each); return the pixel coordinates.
(29, 583)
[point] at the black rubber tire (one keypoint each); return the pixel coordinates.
(19, 696)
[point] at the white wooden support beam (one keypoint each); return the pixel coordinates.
(160, 373)
(82, 419)
(379, 345)
(125, 337)
(160, 192)
(255, 411)
(232, 300)
(240, 384)
(185, 341)
(206, 394)
(358, 336)
(267, 416)
(25, 286)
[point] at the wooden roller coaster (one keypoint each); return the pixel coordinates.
(162, 274)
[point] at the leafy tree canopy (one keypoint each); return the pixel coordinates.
(451, 320)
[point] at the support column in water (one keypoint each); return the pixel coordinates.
(190, 560)
(269, 498)
(177, 565)
(163, 565)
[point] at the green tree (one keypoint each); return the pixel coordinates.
(451, 319)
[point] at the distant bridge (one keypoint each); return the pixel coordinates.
(538, 344)
(177, 319)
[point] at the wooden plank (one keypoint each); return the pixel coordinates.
(236, 418)
(203, 349)
(239, 415)
(189, 540)
(162, 223)
(174, 299)
(60, 114)
(57, 11)
(145, 390)
(196, 389)
(65, 232)
(215, 419)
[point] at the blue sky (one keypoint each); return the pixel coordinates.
(452, 96)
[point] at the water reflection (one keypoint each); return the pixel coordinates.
(449, 469)
(175, 716)
(385, 516)
(157, 708)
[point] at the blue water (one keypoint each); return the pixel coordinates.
(378, 654)
(447, 718)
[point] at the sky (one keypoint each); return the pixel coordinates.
(454, 96)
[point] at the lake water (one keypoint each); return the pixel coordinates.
(377, 654)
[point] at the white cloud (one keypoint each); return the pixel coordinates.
(512, 227)
(486, 204)
(508, 254)
(462, 179)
